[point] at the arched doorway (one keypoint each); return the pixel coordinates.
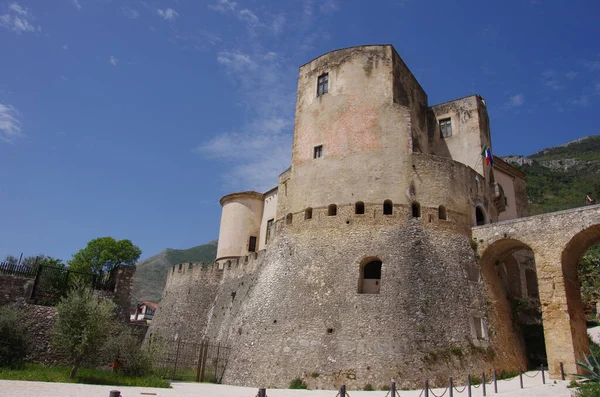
(570, 259)
(509, 273)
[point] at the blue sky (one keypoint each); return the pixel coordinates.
(132, 118)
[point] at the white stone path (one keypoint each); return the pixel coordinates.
(533, 387)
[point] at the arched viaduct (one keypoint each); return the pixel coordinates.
(558, 241)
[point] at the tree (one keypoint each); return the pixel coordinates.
(589, 276)
(14, 337)
(34, 261)
(105, 254)
(83, 324)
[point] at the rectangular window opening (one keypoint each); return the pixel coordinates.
(318, 152)
(323, 84)
(270, 224)
(446, 128)
(252, 244)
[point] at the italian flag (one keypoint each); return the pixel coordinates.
(487, 154)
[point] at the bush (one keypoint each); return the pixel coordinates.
(592, 367)
(588, 390)
(125, 353)
(297, 383)
(368, 387)
(13, 337)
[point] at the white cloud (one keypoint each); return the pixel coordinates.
(583, 100)
(113, 61)
(130, 12)
(65, 47)
(18, 19)
(516, 100)
(571, 75)
(551, 81)
(329, 6)
(592, 65)
(223, 6)
(10, 123)
(236, 61)
(248, 17)
(278, 24)
(169, 14)
(76, 4)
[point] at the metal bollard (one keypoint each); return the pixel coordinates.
(495, 383)
(427, 388)
(393, 389)
(262, 392)
(543, 376)
(114, 393)
(450, 387)
(521, 377)
(469, 385)
(343, 391)
(483, 383)
(562, 371)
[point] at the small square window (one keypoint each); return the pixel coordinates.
(323, 84)
(446, 128)
(318, 152)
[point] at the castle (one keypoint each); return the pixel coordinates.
(360, 265)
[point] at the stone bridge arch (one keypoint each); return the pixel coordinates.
(558, 241)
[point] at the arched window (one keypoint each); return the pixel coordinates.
(479, 216)
(416, 210)
(288, 219)
(388, 207)
(370, 277)
(442, 213)
(359, 208)
(308, 213)
(332, 210)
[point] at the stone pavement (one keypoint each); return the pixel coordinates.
(8, 388)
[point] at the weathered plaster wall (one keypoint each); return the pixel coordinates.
(507, 182)
(269, 212)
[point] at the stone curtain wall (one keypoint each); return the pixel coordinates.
(15, 290)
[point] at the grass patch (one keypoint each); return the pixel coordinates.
(42, 373)
(588, 390)
(297, 383)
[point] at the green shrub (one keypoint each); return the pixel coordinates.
(588, 390)
(385, 387)
(475, 380)
(315, 375)
(13, 337)
(457, 351)
(297, 383)
(124, 350)
(504, 374)
(368, 387)
(592, 367)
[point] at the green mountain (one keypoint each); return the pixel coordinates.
(559, 178)
(151, 273)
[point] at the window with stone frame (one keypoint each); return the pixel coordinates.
(446, 128)
(323, 84)
(270, 224)
(318, 152)
(252, 244)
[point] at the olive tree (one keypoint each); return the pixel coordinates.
(83, 324)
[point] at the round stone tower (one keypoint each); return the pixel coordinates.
(240, 224)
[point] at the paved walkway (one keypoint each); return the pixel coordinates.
(9, 388)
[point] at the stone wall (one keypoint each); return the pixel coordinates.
(16, 291)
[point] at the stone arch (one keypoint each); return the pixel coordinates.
(359, 208)
(495, 265)
(369, 280)
(388, 207)
(308, 213)
(442, 215)
(570, 258)
(288, 218)
(332, 210)
(480, 218)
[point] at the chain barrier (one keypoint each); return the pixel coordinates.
(476, 386)
(386, 394)
(441, 395)
(397, 393)
(460, 391)
(533, 376)
(421, 392)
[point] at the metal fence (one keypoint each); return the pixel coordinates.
(51, 283)
(200, 362)
(15, 269)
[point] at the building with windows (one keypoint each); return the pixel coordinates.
(359, 266)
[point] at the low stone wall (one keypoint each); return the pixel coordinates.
(13, 288)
